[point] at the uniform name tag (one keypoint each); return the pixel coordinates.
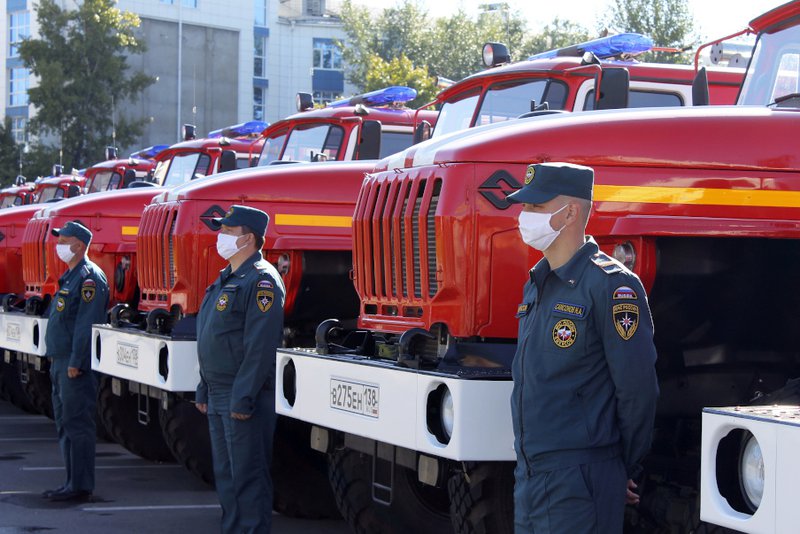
(575, 310)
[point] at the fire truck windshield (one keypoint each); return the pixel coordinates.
(308, 141)
(103, 181)
(774, 70)
(46, 194)
(185, 167)
(503, 101)
(272, 149)
(10, 200)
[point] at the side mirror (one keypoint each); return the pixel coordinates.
(700, 95)
(227, 161)
(422, 132)
(189, 132)
(73, 191)
(612, 91)
(369, 146)
(128, 178)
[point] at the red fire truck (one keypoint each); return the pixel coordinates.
(20, 194)
(413, 405)
(113, 219)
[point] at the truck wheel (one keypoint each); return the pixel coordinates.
(40, 392)
(415, 507)
(185, 432)
(14, 388)
(482, 498)
(120, 417)
(299, 474)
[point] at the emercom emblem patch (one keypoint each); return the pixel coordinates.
(564, 333)
(60, 304)
(626, 319)
(222, 302)
(88, 290)
(264, 299)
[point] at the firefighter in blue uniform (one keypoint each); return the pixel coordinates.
(239, 328)
(585, 387)
(81, 301)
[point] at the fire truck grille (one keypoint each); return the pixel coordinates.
(34, 255)
(395, 239)
(155, 246)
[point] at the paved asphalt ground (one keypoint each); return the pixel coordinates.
(132, 495)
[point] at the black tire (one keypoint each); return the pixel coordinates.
(185, 432)
(39, 389)
(415, 508)
(14, 388)
(482, 499)
(300, 474)
(120, 418)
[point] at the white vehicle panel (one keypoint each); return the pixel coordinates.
(23, 333)
(402, 410)
(139, 357)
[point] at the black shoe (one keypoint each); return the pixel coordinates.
(49, 493)
(71, 496)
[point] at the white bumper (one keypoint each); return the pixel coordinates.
(23, 333)
(482, 428)
(144, 358)
(777, 430)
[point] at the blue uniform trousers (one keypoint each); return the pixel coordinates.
(242, 452)
(74, 406)
(585, 498)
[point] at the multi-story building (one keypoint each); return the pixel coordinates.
(216, 62)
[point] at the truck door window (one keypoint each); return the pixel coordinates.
(103, 181)
(774, 69)
(49, 193)
(272, 149)
(456, 114)
(160, 171)
(394, 142)
(308, 140)
(642, 99)
(186, 167)
(9, 201)
(509, 100)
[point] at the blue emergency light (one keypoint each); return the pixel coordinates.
(149, 152)
(603, 48)
(243, 129)
(389, 95)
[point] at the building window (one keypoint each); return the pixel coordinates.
(18, 29)
(184, 3)
(314, 8)
(18, 87)
(260, 57)
(18, 130)
(326, 97)
(261, 13)
(327, 55)
(258, 103)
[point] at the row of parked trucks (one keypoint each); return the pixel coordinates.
(403, 269)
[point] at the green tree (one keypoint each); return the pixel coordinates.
(668, 22)
(9, 154)
(559, 33)
(80, 61)
(400, 71)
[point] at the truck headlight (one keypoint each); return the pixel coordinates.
(751, 472)
(448, 416)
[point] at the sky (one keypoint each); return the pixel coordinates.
(714, 18)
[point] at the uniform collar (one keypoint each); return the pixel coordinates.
(80, 265)
(570, 273)
(247, 266)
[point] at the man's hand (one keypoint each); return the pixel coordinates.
(631, 497)
(240, 416)
(74, 372)
(201, 407)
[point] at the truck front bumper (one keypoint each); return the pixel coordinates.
(23, 333)
(153, 360)
(397, 405)
(777, 431)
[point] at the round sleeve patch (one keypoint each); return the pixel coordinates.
(564, 333)
(88, 290)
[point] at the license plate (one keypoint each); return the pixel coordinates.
(355, 397)
(13, 331)
(128, 355)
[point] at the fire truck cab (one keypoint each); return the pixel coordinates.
(20, 194)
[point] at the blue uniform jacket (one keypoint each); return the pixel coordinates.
(81, 301)
(239, 328)
(584, 370)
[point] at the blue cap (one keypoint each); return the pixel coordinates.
(253, 218)
(74, 229)
(546, 181)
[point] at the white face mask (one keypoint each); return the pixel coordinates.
(536, 230)
(226, 245)
(64, 252)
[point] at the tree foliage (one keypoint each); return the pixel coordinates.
(559, 33)
(668, 22)
(400, 71)
(80, 60)
(9, 154)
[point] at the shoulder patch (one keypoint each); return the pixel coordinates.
(60, 304)
(522, 310)
(88, 290)
(608, 264)
(264, 299)
(264, 283)
(626, 319)
(624, 293)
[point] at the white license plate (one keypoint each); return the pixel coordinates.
(13, 331)
(127, 355)
(355, 397)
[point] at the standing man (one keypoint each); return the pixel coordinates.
(81, 301)
(585, 386)
(239, 328)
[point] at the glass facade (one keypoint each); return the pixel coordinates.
(17, 87)
(260, 12)
(260, 57)
(258, 103)
(18, 28)
(327, 55)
